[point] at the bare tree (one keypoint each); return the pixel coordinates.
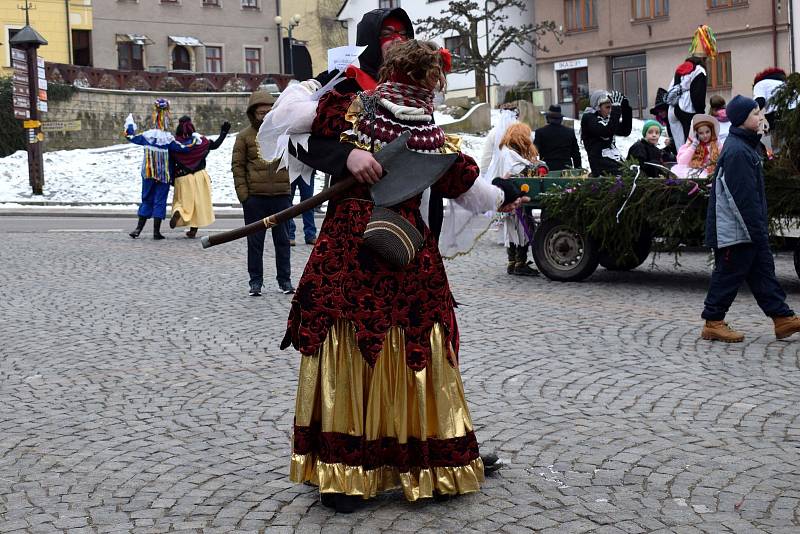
(469, 20)
(332, 33)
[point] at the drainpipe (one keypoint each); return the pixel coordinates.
(774, 34)
(792, 50)
(280, 37)
(70, 59)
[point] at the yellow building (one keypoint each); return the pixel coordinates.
(65, 24)
(318, 27)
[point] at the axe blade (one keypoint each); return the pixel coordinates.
(407, 173)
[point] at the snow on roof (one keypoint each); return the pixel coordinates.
(185, 40)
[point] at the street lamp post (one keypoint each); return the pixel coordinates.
(293, 22)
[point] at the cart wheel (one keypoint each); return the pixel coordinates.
(797, 260)
(641, 249)
(562, 254)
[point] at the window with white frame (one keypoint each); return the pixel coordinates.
(252, 60)
(213, 58)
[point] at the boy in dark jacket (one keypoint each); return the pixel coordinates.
(737, 230)
(608, 114)
(646, 150)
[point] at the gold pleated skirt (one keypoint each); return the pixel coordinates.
(192, 199)
(361, 430)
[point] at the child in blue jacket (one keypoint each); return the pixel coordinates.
(737, 231)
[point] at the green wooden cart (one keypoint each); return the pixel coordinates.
(566, 253)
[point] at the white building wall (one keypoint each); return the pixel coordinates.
(508, 73)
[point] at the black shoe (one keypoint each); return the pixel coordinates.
(441, 497)
(255, 291)
(292, 243)
(173, 221)
(328, 500)
(491, 463)
(345, 504)
(525, 270)
(286, 288)
(157, 230)
(311, 240)
(139, 227)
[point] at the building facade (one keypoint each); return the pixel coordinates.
(506, 75)
(67, 27)
(209, 36)
(318, 30)
(634, 46)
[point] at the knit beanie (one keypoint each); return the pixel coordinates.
(739, 108)
(649, 124)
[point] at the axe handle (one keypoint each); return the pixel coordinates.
(281, 216)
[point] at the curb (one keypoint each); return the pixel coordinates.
(81, 209)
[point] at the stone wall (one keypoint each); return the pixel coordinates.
(102, 114)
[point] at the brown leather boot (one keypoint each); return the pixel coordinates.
(786, 326)
(720, 331)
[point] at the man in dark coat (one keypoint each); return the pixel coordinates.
(737, 230)
(263, 190)
(556, 143)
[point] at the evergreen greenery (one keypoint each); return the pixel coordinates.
(675, 209)
(12, 136)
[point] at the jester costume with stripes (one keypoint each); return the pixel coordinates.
(380, 403)
(156, 174)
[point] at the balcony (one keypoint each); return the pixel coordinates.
(139, 80)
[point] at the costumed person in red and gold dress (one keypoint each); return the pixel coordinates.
(380, 403)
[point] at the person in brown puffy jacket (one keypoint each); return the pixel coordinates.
(263, 190)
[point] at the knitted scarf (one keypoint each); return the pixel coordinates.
(382, 119)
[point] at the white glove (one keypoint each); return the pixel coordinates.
(616, 98)
(312, 85)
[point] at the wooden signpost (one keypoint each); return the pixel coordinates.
(29, 97)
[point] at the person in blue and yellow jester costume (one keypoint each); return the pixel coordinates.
(156, 175)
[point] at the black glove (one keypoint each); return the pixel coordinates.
(226, 127)
(616, 98)
(510, 191)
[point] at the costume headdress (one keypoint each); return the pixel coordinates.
(161, 116)
(704, 42)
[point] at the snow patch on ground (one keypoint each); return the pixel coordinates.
(112, 174)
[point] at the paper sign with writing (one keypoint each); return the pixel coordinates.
(340, 58)
(61, 126)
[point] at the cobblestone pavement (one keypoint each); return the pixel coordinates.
(142, 390)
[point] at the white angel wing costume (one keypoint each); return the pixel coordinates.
(469, 216)
(290, 121)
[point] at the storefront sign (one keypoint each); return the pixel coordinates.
(571, 64)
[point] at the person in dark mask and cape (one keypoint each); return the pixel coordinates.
(380, 403)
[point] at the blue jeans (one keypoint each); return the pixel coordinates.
(744, 263)
(154, 199)
(257, 207)
(306, 191)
